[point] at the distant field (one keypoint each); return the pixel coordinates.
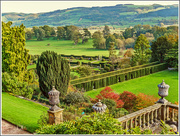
(147, 84)
(64, 47)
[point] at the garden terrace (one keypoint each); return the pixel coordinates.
(105, 79)
(153, 114)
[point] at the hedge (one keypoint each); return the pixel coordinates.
(102, 81)
(79, 80)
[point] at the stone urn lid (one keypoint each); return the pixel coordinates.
(53, 92)
(99, 107)
(163, 85)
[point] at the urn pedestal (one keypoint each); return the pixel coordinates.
(55, 117)
(55, 113)
(163, 92)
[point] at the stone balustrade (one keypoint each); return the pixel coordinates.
(147, 116)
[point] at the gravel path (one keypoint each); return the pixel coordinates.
(9, 128)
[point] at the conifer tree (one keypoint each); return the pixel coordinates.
(53, 71)
(15, 57)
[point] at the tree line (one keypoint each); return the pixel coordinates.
(61, 32)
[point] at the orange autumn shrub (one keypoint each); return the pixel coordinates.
(143, 101)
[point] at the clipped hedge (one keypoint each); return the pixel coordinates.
(102, 81)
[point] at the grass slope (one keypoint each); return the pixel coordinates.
(64, 47)
(21, 112)
(147, 85)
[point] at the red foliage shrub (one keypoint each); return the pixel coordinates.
(129, 100)
(108, 93)
(144, 101)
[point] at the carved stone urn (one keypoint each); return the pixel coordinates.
(163, 92)
(99, 107)
(54, 99)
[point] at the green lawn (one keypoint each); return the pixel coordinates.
(64, 47)
(147, 84)
(21, 112)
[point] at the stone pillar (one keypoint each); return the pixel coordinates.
(156, 110)
(172, 115)
(55, 113)
(167, 112)
(140, 121)
(163, 112)
(135, 121)
(131, 123)
(144, 120)
(152, 117)
(55, 117)
(148, 119)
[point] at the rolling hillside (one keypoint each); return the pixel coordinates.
(122, 15)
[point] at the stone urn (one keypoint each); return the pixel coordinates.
(54, 99)
(163, 92)
(99, 107)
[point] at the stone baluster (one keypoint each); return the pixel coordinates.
(126, 124)
(140, 121)
(143, 125)
(167, 112)
(163, 112)
(156, 112)
(131, 123)
(172, 119)
(152, 116)
(159, 114)
(135, 121)
(148, 119)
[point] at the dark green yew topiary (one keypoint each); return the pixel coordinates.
(53, 71)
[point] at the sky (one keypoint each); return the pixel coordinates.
(47, 6)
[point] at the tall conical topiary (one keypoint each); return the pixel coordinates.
(53, 71)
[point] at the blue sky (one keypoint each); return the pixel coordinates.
(46, 6)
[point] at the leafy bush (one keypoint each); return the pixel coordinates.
(143, 101)
(44, 119)
(107, 69)
(119, 112)
(129, 100)
(111, 104)
(81, 58)
(91, 59)
(72, 57)
(84, 71)
(103, 59)
(10, 83)
(95, 124)
(111, 68)
(68, 116)
(78, 63)
(75, 97)
(108, 93)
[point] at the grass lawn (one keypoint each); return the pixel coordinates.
(21, 112)
(64, 47)
(147, 85)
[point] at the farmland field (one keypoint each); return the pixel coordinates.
(147, 85)
(21, 112)
(64, 47)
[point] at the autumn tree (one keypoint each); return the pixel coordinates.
(142, 50)
(15, 57)
(128, 33)
(28, 34)
(75, 36)
(40, 34)
(86, 35)
(112, 53)
(159, 48)
(61, 33)
(119, 43)
(129, 42)
(106, 31)
(99, 42)
(109, 38)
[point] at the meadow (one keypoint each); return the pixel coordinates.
(21, 112)
(147, 85)
(66, 47)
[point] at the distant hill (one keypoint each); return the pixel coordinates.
(121, 15)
